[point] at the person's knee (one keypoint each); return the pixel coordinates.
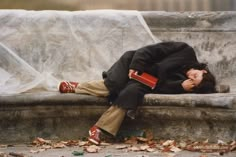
(132, 90)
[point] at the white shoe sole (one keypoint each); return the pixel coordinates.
(93, 141)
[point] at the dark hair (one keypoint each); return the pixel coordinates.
(208, 83)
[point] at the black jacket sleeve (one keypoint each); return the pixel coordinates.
(171, 87)
(154, 53)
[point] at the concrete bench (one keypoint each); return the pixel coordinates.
(184, 116)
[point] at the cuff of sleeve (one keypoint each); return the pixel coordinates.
(136, 67)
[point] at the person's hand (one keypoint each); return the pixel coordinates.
(188, 85)
(130, 72)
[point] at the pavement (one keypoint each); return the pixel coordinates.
(24, 150)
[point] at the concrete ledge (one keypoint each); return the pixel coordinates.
(221, 100)
(68, 116)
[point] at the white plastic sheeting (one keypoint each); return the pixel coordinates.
(40, 48)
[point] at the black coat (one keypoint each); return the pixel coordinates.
(167, 60)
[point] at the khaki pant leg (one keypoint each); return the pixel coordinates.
(96, 88)
(111, 119)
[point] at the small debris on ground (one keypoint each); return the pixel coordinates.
(132, 144)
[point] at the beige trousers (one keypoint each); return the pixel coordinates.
(96, 88)
(111, 119)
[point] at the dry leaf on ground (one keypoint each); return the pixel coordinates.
(168, 143)
(133, 148)
(142, 139)
(41, 141)
(83, 143)
(70, 143)
(2, 154)
(175, 149)
(209, 148)
(59, 145)
(150, 150)
(34, 151)
(144, 147)
(16, 154)
(132, 140)
(221, 142)
(122, 146)
(92, 149)
(206, 141)
(46, 147)
(182, 144)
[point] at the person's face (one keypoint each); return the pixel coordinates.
(196, 76)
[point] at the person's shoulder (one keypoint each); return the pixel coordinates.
(177, 43)
(169, 44)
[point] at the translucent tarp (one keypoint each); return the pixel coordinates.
(40, 48)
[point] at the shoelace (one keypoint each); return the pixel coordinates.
(95, 133)
(69, 87)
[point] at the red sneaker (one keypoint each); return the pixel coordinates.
(67, 87)
(94, 135)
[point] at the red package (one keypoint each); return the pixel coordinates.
(145, 78)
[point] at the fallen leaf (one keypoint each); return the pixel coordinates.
(16, 154)
(58, 145)
(150, 149)
(132, 140)
(34, 151)
(182, 144)
(152, 144)
(105, 144)
(3, 154)
(121, 146)
(142, 139)
(175, 149)
(92, 149)
(233, 147)
(42, 150)
(166, 149)
(233, 143)
(210, 148)
(221, 142)
(83, 143)
(195, 143)
(71, 143)
(46, 146)
(144, 147)
(41, 141)
(206, 141)
(133, 148)
(168, 143)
